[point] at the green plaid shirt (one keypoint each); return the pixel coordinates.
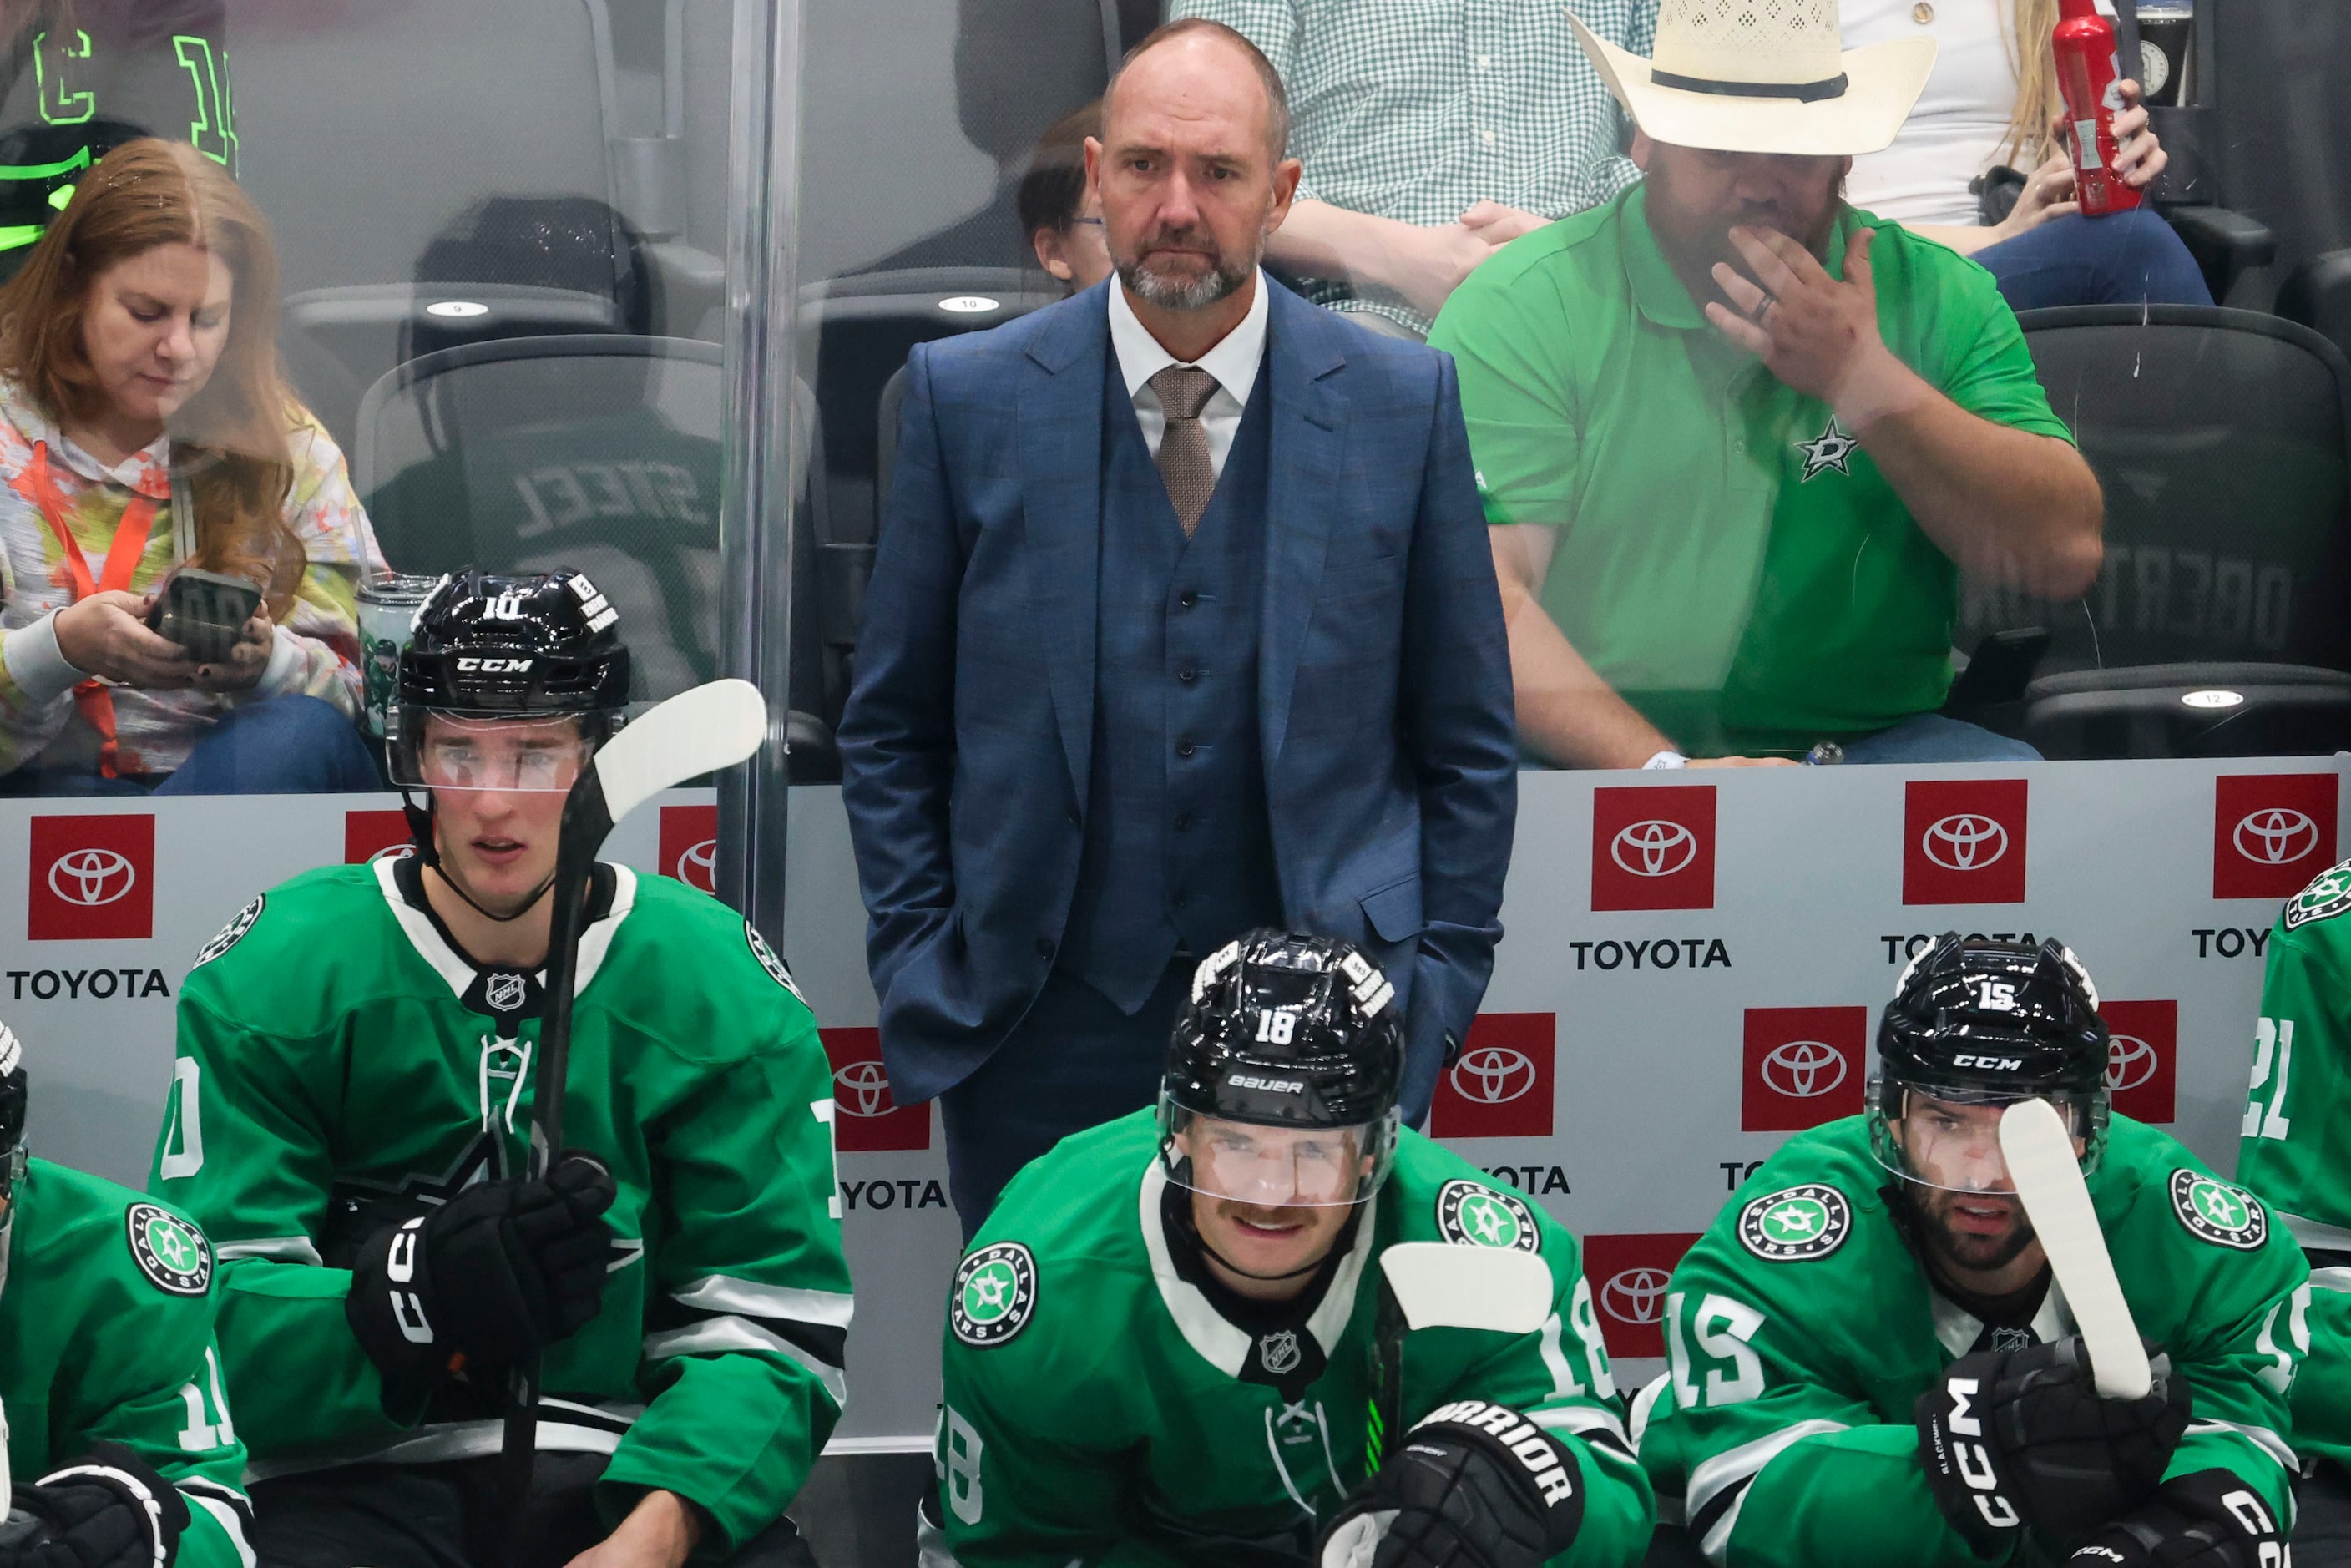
(1417, 109)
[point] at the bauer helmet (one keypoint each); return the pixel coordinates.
(1282, 1074)
(1981, 1022)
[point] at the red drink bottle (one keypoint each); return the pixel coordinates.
(2085, 44)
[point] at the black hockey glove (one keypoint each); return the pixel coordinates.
(497, 1273)
(1474, 1486)
(2209, 1519)
(2016, 1437)
(108, 1511)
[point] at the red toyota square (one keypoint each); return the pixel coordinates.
(1500, 1085)
(1653, 847)
(372, 835)
(92, 879)
(1963, 841)
(2272, 832)
(1803, 1066)
(865, 1120)
(689, 845)
(2143, 1061)
(1628, 1276)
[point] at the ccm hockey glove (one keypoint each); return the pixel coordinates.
(2209, 1519)
(1475, 1486)
(498, 1272)
(2010, 1438)
(108, 1511)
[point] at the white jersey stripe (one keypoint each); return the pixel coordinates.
(230, 1521)
(748, 1297)
(2261, 1437)
(715, 1335)
(1737, 1467)
(285, 1248)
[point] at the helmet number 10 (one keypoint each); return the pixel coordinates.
(1275, 1026)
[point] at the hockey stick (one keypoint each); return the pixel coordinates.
(1435, 1284)
(2048, 1176)
(695, 732)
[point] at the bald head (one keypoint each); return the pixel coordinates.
(1208, 68)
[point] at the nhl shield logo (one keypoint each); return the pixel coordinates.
(1471, 1214)
(504, 992)
(1278, 1351)
(994, 1294)
(2220, 1214)
(169, 1251)
(2324, 899)
(231, 934)
(1796, 1225)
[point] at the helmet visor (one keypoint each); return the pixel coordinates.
(445, 751)
(1948, 1138)
(1274, 1168)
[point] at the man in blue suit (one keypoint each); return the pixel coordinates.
(1182, 622)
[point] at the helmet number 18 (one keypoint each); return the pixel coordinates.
(1275, 1025)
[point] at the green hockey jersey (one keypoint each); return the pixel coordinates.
(340, 1063)
(1801, 1331)
(105, 1335)
(2296, 1148)
(1100, 1410)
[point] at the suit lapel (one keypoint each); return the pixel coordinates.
(1303, 358)
(1060, 421)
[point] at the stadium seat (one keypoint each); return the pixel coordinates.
(596, 452)
(2318, 295)
(2228, 245)
(2221, 438)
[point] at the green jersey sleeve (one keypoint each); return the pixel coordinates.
(2295, 1150)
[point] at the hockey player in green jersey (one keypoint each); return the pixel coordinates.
(2296, 1156)
(353, 1109)
(1870, 1363)
(1159, 1345)
(110, 1384)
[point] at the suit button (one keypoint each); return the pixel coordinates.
(1188, 673)
(1184, 749)
(1044, 946)
(1184, 823)
(1188, 599)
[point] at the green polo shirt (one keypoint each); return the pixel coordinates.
(1728, 561)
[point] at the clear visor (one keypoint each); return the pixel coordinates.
(1950, 1137)
(444, 752)
(1274, 1168)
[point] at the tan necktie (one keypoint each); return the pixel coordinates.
(1184, 464)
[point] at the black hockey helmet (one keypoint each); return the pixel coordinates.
(1981, 1021)
(1289, 1031)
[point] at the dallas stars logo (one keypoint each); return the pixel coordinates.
(2218, 1212)
(2324, 899)
(233, 933)
(1796, 1225)
(169, 1251)
(1833, 448)
(1477, 1215)
(994, 1294)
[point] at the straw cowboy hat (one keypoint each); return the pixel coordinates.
(1762, 76)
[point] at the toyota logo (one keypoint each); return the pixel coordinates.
(698, 866)
(2279, 836)
(91, 877)
(1965, 843)
(1653, 848)
(863, 1089)
(1804, 1068)
(1493, 1075)
(1636, 1296)
(2130, 1062)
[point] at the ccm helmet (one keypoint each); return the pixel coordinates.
(1976, 1022)
(1282, 1074)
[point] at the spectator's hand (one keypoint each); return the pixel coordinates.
(1424, 265)
(1817, 334)
(1740, 762)
(246, 662)
(2048, 193)
(2139, 157)
(1498, 226)
(106, 635)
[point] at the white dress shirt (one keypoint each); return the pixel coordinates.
(1233, 362)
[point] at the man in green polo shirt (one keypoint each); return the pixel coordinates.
(1737, 441)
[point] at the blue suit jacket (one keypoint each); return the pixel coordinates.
(1384, 699)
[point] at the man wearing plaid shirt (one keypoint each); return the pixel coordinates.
(1433, 134)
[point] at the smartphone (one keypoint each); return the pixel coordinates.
(204, 611)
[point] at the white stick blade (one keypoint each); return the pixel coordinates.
(695, 732)
(1440, 1285)
(2048, 1176)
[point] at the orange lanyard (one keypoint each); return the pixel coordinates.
(122, 556)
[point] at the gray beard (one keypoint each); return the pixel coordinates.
(1196, 294)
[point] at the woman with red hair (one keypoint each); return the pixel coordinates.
(145, 429)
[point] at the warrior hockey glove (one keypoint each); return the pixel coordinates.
(2209, 1519)
(109, 1511)
(1475, 1486)
(497, 1273)
(2016, 1437)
